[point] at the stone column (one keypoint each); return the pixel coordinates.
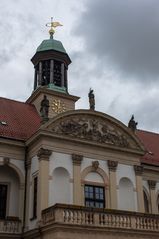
(27, 209)
(51, 71)
(112, 165)
(35, 79)
(65, 79)
(62, 74)
(139, 187)
(153, 199)
(40, 73)
(43, 180)
(77, 189)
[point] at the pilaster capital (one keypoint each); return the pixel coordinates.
(112, 165)
(77, 159)
(44, 154)
(152, 184)
(138, 170)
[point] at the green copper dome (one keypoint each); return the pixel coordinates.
(51, 44)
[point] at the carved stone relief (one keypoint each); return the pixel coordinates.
(90, 129)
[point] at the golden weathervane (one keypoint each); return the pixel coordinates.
(53, 25)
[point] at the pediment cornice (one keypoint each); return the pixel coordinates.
(93, 127)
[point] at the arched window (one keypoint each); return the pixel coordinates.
(9, 192)
(146, 202)
(94, 190)
(126, 197)
(96, 186)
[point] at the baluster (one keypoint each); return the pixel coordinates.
(126, 221)
(78, 215)
(64, 217)
(142, 226)
(138, 222)
(122, 221)
(101, 219)
(117, 220)
(75, 217)
(129, 219)
(81, 217)
(109, 219)
(86, 218)
(145, 223)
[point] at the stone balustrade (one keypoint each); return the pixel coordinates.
(76, 215)
(10, 226)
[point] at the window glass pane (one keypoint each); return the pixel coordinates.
(86, 188)
(101, 196)
(94, 196)
(91, 189)
(91, 195)
(86, 194)
(101, 205)
(91, 204)
(97, 190)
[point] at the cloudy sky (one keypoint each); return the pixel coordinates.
(114, 47)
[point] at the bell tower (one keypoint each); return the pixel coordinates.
(51, 63)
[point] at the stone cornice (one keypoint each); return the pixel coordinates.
(138, 170)
(77, 159)
(44, 154)
(112, 165)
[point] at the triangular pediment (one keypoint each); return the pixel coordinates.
(93, 127)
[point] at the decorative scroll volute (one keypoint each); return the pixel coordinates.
(112, 165)
(77, 159)
(44, 154)
(152, 184)
(138, 170)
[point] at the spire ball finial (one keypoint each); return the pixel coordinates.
(53, 25)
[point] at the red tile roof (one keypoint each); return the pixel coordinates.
(151, 143)
(22, 119)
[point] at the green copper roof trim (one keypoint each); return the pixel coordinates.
(51, 44)
(57, 88)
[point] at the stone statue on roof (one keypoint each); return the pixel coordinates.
(132, 124)
(91, 99)
(44, 109)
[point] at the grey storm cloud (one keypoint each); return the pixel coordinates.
(124, 34)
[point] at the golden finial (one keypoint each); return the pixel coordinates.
(52, 25)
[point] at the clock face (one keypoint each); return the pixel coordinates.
(58, 106)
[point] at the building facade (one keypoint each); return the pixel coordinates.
(67, 173)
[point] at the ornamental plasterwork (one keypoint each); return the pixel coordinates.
(96, 130)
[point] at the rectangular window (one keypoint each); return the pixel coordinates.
(94, 196)
(35, 197)
(3, 200)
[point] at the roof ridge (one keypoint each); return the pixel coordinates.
(146, 131)
(16, 101)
